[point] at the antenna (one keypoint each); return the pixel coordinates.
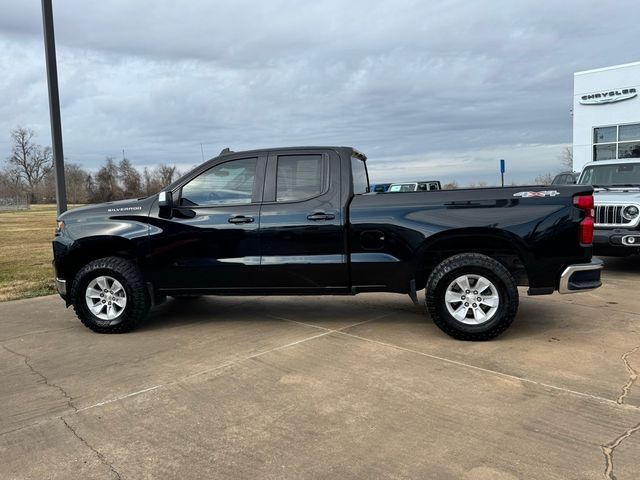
(225, 151)
(202, 150)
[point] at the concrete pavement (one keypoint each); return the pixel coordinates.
(333, 387)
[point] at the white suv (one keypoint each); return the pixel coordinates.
(617, 205)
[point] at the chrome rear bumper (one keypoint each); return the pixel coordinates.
(581, 277)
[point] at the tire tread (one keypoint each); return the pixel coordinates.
(474, 260)
(139, 298)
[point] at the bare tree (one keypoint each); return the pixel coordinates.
(76, 179)
(106, 180)
(167, 174)
(90, 188)
(453, 185)
(158, 178)
(10, 184)
(543, 179)
(130, 179)
(566, 158)
(149, 182)
(76, 184)
(29, 161)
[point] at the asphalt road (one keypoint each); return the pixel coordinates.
(356, 387)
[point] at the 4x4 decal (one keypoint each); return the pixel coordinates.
(544, 193)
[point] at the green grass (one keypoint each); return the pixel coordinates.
(26, 252)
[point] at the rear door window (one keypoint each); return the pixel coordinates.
(300, 177)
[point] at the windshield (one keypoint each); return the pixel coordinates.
(615, 175)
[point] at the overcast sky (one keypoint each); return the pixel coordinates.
(426, 89)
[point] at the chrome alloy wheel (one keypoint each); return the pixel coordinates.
(105, 297)
(472, 299)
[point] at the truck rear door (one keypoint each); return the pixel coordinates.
(302, 226)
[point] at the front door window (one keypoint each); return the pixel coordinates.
(229, 183)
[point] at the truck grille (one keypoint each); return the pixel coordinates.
(611, 216)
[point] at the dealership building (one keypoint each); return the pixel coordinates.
(606, 114)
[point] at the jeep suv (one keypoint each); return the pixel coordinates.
(617, 205)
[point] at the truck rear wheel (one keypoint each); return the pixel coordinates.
(472, 297)
(109, 295)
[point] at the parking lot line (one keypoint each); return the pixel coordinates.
(341, 331)
(492, 372)
(202, 372)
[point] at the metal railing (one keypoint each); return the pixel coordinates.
(20, 202)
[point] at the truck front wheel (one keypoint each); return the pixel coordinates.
(472, 297)
(109, 295)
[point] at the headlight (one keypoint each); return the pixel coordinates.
(630, 212)
(60, 226)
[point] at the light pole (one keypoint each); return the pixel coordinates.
(54, 105)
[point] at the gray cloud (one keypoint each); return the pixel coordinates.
(421, 87)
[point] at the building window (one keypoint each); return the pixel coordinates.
(616, 142)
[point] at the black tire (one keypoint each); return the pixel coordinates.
(125, 272)
(472, 264)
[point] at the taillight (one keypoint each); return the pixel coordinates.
(585, 203)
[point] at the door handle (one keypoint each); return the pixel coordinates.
(240, 219)
(321, 216)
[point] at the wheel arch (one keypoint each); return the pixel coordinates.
(92, 248)
(503, 246)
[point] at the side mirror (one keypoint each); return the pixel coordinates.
(165, 203)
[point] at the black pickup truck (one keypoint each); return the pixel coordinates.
(301, 221)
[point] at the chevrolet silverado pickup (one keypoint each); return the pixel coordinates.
(302, 221)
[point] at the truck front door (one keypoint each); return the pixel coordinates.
(302, 226)
(212, 240)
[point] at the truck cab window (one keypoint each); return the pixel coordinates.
(360, 178)
(227, 183)
(300, 177)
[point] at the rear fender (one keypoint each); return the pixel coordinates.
(505, 246)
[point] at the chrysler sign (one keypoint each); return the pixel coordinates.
(608, 97)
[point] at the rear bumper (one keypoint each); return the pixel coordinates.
(581, 277)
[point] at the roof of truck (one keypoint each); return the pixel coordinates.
(354, 151)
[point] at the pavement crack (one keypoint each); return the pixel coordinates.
(633, 375)
(606, 401)
(100, 456)
(27, 362)
(609, 448)
(227, 364)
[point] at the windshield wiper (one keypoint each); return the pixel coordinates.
(635, 185)
(600, 186)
